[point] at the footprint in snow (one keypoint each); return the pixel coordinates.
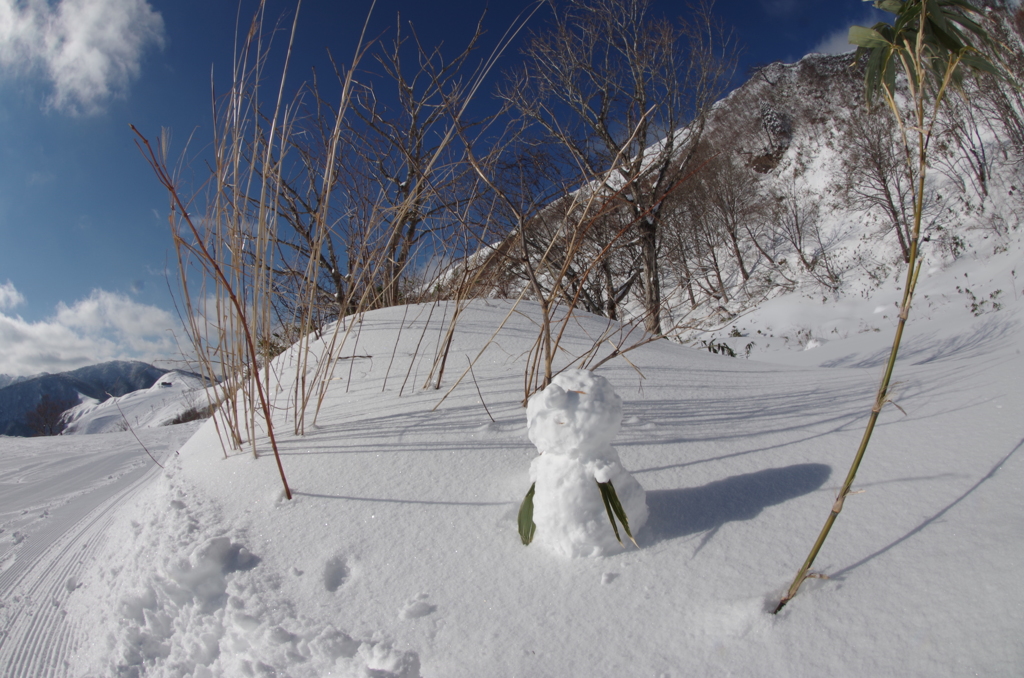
(417, 607)
(335, 573)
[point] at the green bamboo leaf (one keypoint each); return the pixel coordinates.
(956, 79)
(889, 77)
(875, 71)
(962, 4)
(980, 63)
(951, 41)
(972, 27)
(608, 508)
(936, 15)
(962, 19)
(905, 22)
(527, 527)
(867, 37)
(891, 6)
(617, 507)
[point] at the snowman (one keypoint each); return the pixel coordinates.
(579, 486)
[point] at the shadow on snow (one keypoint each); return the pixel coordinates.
(691, 510)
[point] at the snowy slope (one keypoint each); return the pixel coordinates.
(399, 554)
(786, 161)
(58, 496)
(93, 382)
(171, 395)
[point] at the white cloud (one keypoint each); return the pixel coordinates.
(103, 326)
(837, 42)
(9, 296)
(39, 178)
(89, 50)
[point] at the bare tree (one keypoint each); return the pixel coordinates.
(795, 220)
(374, 193)
(547, 225)
(616, 87)
(994, 103)
(733, 204)
(47, 418)
(406, 149)
(876, 175)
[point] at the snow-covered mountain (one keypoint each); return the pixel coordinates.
(805, 147)
(93, 382)
(173, 394)
(801, 191)
(7, 380)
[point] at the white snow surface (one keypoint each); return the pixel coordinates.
(171, 395)
(577, 415)
(573, 422)
(58, 499)
(399, 553)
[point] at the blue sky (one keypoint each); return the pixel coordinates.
(83, 232)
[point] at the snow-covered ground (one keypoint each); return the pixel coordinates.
(171, 395)
(58, 498)
(400, 555)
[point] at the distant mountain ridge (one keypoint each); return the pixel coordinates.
(115, 378)
(7, 380)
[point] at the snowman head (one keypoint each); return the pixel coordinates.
(577, 414)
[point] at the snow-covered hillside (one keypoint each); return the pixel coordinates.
(837, 188)
(92, 383)
(399, 554)
(7, 380)
(800, 192)
(173, 394)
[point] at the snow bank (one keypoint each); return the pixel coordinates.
(399, 554)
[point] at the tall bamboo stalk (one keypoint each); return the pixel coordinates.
(923, 57)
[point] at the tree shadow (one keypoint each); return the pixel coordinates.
(839, 575)
(978, 341)
(677, 513)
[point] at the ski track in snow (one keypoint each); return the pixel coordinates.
(36, 580)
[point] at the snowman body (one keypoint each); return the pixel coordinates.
(573, 422)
